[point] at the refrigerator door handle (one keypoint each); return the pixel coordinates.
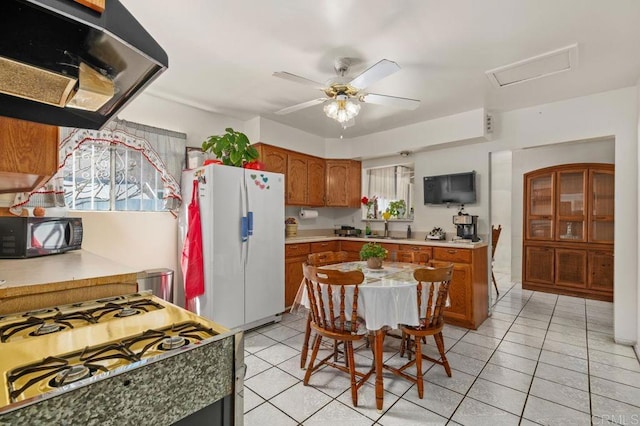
(244, 229)
(250, 219)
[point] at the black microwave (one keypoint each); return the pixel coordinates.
(38, 236)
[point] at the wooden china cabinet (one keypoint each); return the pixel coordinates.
(568, 230)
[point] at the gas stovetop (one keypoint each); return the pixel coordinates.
(54, 320)
(48, 350)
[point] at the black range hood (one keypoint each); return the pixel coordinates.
(64, 64)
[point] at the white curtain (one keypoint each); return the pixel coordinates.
(382, 183)
(404, 187)
(163, 149)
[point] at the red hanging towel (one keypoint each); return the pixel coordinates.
(192, 262)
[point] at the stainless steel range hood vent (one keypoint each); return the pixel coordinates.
(64, 64)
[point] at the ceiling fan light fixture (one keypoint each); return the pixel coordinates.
(342, 109)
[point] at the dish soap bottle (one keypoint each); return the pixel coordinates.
(408, 231)
(367, 229)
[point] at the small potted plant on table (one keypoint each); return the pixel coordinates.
(374, 254)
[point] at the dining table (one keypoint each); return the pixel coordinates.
(387, 298)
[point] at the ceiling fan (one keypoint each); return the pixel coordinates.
(346, 94)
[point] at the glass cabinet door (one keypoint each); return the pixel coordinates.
(571, 205)
(540, 215)
(601, 193)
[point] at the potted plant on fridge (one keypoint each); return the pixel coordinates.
(233, 149)
(374, 254)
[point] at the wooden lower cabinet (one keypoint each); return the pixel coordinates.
(469, 287)
(468, 292)
(353, 249)
(538, 265)
(572, 269)
(294, 256)
(600, 271)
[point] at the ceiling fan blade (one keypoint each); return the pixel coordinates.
(303, 105)
(374, 73)
(404, 103)
(297, 79)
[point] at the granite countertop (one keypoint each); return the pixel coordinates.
(412, 241)
(68, 269)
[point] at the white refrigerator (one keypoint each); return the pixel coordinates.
(242, 215)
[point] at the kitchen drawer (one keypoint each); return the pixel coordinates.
(291, 250)
(452, 254)
(325, 246)
(351, 246)
(416, 247)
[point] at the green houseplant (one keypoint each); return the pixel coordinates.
(373, 253)
(233, 148)
(397, 208)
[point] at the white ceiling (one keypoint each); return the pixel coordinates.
(222, 53)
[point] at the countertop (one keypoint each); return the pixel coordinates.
(69, 270)
(412, 241)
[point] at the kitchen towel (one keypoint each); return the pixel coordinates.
(308, 214)
(192, 261)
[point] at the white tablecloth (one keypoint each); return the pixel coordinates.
(387, 298)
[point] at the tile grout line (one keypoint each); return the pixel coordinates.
(487, 362)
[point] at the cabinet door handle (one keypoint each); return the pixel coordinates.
(293, 247)
(324, 244)
(452, 251)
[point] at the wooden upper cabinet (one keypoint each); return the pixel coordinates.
(571, 209)
(274, 159)
(297, 182)
(316, 182)
(28, 154)
(355, 183)
(344, 180)
(338, 183)
(539, 196)
(601, 211)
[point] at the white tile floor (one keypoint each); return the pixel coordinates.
(539, 359)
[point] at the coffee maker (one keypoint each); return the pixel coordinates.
(466, 226)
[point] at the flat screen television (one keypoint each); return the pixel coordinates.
(458, 188)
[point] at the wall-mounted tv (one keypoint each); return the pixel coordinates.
(458, 188)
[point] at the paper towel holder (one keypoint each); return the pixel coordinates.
(304, 214)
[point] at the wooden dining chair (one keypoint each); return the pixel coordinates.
(332, 317)
(495, 236)
(434, 283)
(318, 259)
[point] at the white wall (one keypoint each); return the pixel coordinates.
(277, 134)
(196, 123)
(467, 126)
(637, 346)
(501, 200)
(526, 160)
(613, 113)
(137, 239)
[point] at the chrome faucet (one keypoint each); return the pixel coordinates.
(386, 229)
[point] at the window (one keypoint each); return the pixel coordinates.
(389, 184)
(102, 176)
(125, 167)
